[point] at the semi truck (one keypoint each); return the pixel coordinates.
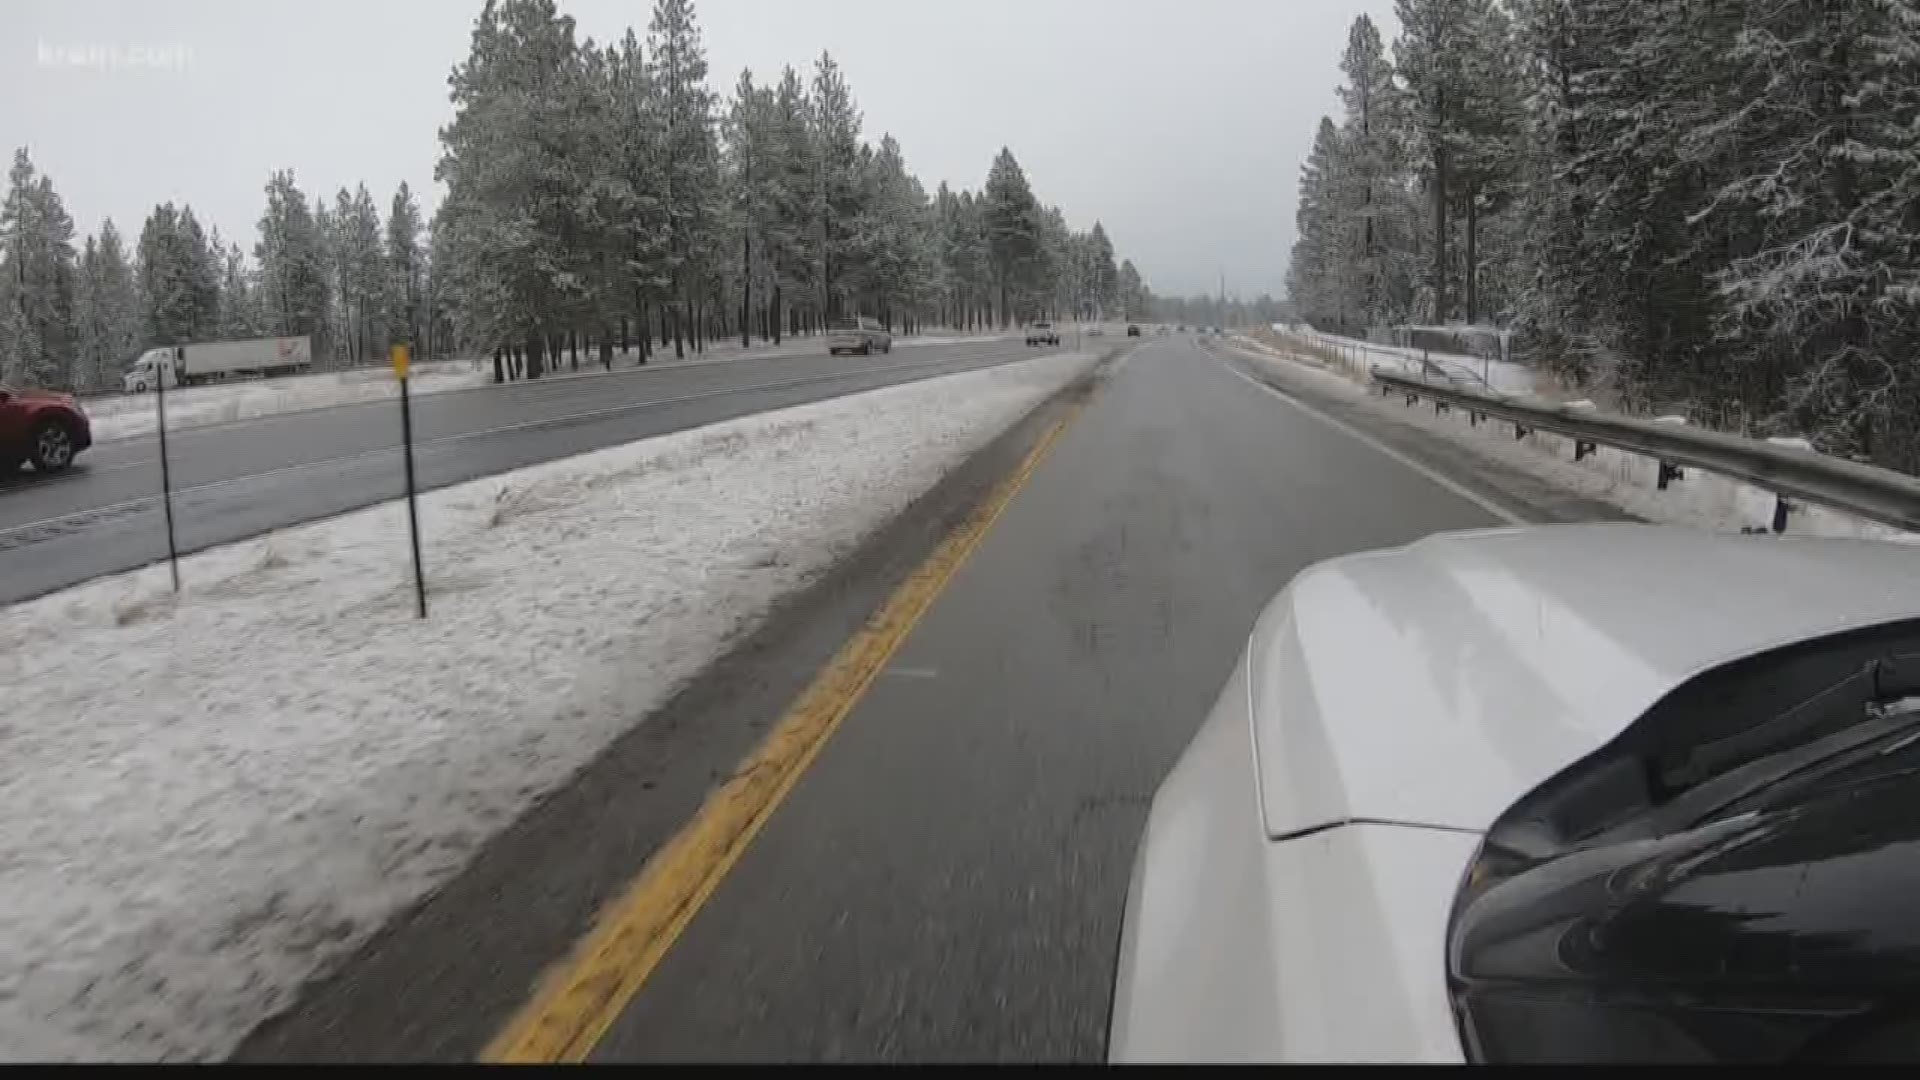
(185, 365)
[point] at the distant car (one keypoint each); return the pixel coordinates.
(1042, 333)
(44, 427)
(1577, 793)
(1133, 330)
(1162, 331)
(1183, 328)
(862, 335)
(1095, 331)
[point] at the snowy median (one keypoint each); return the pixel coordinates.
(208, 799)
(125, 416)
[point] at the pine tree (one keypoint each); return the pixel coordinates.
(359, 274)
(1013, 229)
(752, 175)
(168, 288)
(1102, 285)
(688, 159)
(513, 196)
(199, 253)
(291, 252)
(122, 334)
(238, 305)
(1135, 301)
(405, 269)
(834, 130)
(1312, 278)
(791, 244)
(1375, 273)
(38, 268)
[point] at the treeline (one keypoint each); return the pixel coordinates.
(72, 317)
(1704, 204)
(598, 197)
(605, 191)
(1232, 312)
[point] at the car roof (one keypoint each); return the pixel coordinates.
(1439, 682)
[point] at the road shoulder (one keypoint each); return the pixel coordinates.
(1524, 495)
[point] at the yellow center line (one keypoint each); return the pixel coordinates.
(577, 1002)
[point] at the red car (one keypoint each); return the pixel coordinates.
(42, 426)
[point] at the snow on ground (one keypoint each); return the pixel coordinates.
(1626, 480)
(1503, 376)
(194, 406)
(123, 416)
(209, 797)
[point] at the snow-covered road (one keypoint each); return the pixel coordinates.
(209, 797)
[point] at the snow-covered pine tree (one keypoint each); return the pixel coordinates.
(790, 233)
(1135, 301)
(39, 268)
(117, 300)
(198, 254)
(753, 173)
(1014, 238)
(91, 356)
(405, 269)
(166, 272)
(834, 136)
(238, 305)
(688, 160)
(634, 202)
(1312, 271)
(1816, 140)
(1104, 277)
(512, 193)
(1377, 272)
(291, 252)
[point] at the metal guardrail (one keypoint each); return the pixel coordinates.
(1790, 473)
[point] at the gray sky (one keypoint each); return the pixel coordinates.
(1180, 124)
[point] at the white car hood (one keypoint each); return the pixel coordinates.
(1436, 684)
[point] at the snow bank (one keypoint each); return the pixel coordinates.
(208, 798)
(1505, 377)
(134, 414)
(1629, 481)
(120, 417)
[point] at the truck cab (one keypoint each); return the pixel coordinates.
(148, 369)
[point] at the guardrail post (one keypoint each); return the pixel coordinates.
(1519, 432)
(1410, 398)
(1473, 418)
(1780, 508)
(1668, 473)
(1439, 406)
(1581, 448)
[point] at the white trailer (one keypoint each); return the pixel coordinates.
(184, 365)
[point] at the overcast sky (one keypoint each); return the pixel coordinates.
(1180, 124)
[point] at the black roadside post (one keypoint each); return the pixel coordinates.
(400, 364)
(166, 475)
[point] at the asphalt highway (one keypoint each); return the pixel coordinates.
(236, 480)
